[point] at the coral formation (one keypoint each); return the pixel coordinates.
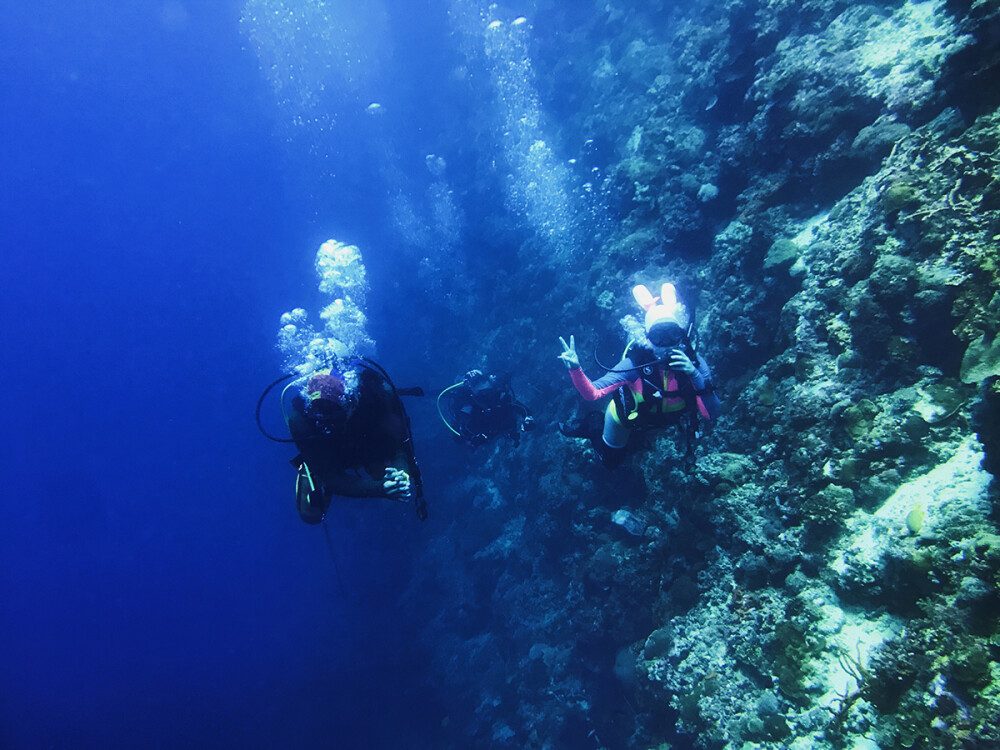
(827, 574)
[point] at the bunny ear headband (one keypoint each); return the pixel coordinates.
(646, 300)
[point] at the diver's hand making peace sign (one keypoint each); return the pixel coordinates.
(568, 356)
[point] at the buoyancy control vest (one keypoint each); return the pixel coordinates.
(657, 397)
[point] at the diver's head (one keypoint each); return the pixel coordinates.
(667, 318)
(484, 389)
(327, 402)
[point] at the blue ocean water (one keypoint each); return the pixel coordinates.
(819, 182)
(157, 588)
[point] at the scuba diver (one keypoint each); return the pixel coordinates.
(659, 381)
(482, 408)
(353, 438)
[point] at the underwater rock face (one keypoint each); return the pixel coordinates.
(981, 360)
(826, 576)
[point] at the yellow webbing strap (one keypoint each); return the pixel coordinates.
(441, 413)
(284, 412)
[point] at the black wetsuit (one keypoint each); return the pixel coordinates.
(349, 456)
(483, 409)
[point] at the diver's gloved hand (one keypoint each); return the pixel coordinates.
(569, 356)
(396, 484)
(681, 362)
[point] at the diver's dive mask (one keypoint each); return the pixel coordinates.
(665, 335)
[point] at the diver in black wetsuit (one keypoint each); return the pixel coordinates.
(481, 408)
(352, 442)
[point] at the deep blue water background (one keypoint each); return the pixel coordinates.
(157, 588)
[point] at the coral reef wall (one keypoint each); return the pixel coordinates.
(822, 177)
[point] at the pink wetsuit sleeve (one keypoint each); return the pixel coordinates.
(702, 409)
(708, 404)
(587, 389)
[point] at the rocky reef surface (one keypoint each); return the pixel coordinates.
(823, 177)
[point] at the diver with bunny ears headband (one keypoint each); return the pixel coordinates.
(660, 381)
